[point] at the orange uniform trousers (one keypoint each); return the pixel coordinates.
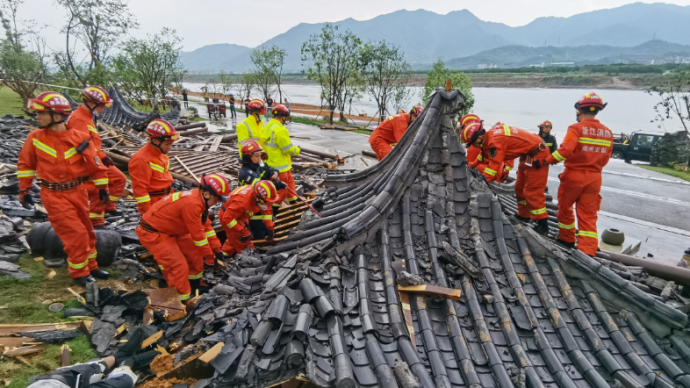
(529, 190)
(381, 147)
(232, 243)
(284, 194)
(579, 188)
(116, 184)
(68, 213)
(177, 257)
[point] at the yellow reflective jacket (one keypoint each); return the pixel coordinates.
(249, 129)
(275, 139)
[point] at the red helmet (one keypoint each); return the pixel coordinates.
(591, 101)
(217, 185)
(159, 128)
(250, 147)
(50, 102)
(266, 191)
(257, 104)
(469, 119)
(416, 110)
(546, 123)
(471, 132)
(402, 111)
(96, 94)
(280, 110)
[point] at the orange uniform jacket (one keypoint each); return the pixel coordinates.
(52, 156)
(392, 129)
(475, 158)
(503, 143)
(241, 207)
(150, 171)
(587, 147)
(82, 120)
(180, 213)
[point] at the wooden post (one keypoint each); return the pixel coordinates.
(449, 84)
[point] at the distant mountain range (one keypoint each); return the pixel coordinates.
(425, 36)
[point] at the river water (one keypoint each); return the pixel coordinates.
(627, 111)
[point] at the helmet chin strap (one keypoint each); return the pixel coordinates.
(158, 145)
(52, 121)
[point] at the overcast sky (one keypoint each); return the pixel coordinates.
(250, 23)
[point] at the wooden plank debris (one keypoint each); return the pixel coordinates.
(65, 355)
(15, 329)
(435, 291)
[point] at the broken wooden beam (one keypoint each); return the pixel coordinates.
(10, 330)
(370, 154)
(65, 355)
(24, 350)
(434, 291)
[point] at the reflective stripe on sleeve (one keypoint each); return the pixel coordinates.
(161, 267)
(287, 147)
(480, 158)
(70, 152)
(556, 155)
(112, 198)
(156, 167)
(585, 233)
(201, 243)
(93, 256)
(523, 202)
(96, 215)
(197, 276)
(490, 171)
(143, 199)
(538, 211)
(100, 182)
(26, 174)
(564, 226)
(232, 224)
(211, 233)
(262, 217)
(508, 168)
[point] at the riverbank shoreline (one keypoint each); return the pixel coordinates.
(508, 80)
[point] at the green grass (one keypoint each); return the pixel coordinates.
(10, 102)
(27, 301)
(668, 171)
(147, 108)
(44, 362)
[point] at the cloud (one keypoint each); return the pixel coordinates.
(250, 23)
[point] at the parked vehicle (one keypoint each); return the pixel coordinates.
(637, 146)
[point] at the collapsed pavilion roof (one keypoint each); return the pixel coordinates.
(530, 313)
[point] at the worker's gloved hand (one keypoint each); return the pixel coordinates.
(103, 195)
(279, 185)
(83, 146)
(219, 256)
(269, 235)
(107, 161)
(26, 200)
(245, 236)
(297, 150)
(274, 177)
(504, 175)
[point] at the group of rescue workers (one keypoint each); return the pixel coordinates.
(585, 151)
(80, 185)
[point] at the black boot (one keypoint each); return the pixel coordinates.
(522, 219)
(542, 226)
(99, 227)
(82, 281)
(114, 213)
(100, 274)
(569, 245)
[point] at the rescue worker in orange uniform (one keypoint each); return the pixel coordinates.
(149, 169)
(96, 100)
(63, 161)
(503, 143)
(391, 130)
(174, 231)
(279, 150)
(250, 127)
(475, 159)
(245, 202)
(585, 151)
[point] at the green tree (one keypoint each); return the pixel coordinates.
(437, 78)
(673, 92)
(21, 68)
(385, 74)
(331, 59)
(97, 26)
(154, 61)
(246, 85)
(269, 69)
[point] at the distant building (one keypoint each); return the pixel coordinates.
(537, 65)
(486, 66)
(562, 63)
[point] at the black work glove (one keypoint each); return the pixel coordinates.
(26, 200)
(269, 235)
(103, 195)
(219, 256)
(107, 161)
(83, 146)
(279, 185)
(246, 236)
